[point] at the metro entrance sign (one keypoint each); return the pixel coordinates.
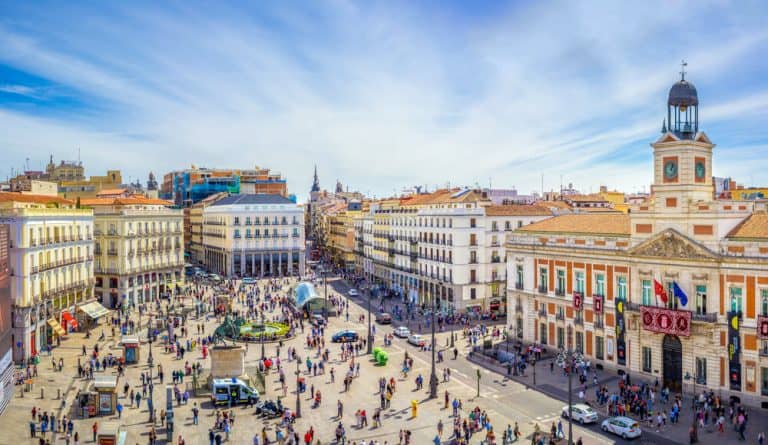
(666, 321)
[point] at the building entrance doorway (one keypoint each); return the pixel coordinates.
(673, 362)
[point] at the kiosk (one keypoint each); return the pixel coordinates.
(130, 344)
(105, 387)
(110, 433)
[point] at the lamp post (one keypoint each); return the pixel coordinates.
(325, 283)
(433, 375)
(370, 336)
(298, 397)
(263, 331)
(570, 397)
(451, 328)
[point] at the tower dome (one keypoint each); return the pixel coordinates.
(683, 94)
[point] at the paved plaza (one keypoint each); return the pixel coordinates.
(505, 401)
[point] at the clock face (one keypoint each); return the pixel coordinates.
(700, 170)
(670, 170)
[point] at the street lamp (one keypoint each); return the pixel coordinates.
(263, 331)
(370, 337)
(325, 283)
(298, 398)
(433, 376)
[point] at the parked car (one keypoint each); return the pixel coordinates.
(353, 293)
(622, 426)
(384, 318)
(417, 340)
(581, 413)
(345, 336)
(249, 280)
(402, 332)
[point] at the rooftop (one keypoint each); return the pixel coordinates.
(259, 198)
(584, 224)
(753, 227)
(32, 199)
(132, 200)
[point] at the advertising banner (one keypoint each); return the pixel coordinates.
(621, 347)
(734, 351)
(762, 327)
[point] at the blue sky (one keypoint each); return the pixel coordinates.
(381, 95)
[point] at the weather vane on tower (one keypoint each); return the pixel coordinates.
(683, 64)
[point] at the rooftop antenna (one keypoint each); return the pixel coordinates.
(683, 64)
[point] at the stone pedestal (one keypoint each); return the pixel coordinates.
(227, 361)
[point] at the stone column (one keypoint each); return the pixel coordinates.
(261, 271)
(280, 263)
(271, 264)
(253, 264)
(301, 263)
(290, 262)
(242, 263)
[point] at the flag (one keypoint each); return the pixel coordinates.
(659, 290)
(679, 294)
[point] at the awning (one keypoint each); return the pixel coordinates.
(57, 329)
(69, 319)
(94, 309)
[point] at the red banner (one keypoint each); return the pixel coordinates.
(666, 321)
(762, 326)
(598, 303)
(577, 300)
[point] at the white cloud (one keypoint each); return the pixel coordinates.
(379, 96)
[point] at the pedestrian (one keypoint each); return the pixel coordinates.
(95, 429)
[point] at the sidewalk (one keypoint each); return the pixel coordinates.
(555, 385)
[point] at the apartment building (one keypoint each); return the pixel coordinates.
(51, 266)
(674, 290)
(446, 245)
(6, 303)
(193, 227)
(254, 235)
(139, 249)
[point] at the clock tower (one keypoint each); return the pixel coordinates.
(682, 156)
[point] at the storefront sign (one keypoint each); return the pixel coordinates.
(666, 321)
(621, 346)
(734, 351)
(762, 327)
(598, 303)
(577, 301)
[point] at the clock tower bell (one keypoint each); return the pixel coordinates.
(682, 156)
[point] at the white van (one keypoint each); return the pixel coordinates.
(235, 389)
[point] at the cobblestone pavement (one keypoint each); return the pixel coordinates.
(504, 400)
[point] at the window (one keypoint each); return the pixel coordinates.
(472, 239)
(701, 371)
(599, 347)
(580, 282)
(507, 225)
(519, 223)
(472, 276)
(237, 220)
(494, 226)
(621, 288)
(472, 293)
(580, 342)
(247, 233)
(247, 220)
(520, 276)
(764, 302)
(735, 293)
(472, 223)
(646, 359)
(701, 299)
(473, 257)
(647, 293)
(560, 289)
(764, 380)
(600, 284)
(543, 333)
(237, 233)
(560, 338)
(671, 300)
(543, 279)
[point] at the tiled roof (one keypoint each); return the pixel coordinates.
(755, 226)
(250, 199)
(36, 199)
(132, 200)
(583, 223)
(598, 210)
(517, 210)
(554, 204)
(442, 196)
(106, 192)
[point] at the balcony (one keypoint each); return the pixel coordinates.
(764, 350)
(578, 321)
(112, 252)
(519, 286)
(543, 289)
(112, 232)
(543, 312)
(599, 323)
(560, 316)
(473, 261)
(495, 259)
(560, 292)
(519, 308)
(705, 317)
(632, 307)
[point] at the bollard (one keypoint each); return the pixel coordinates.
(42, 393)
(58, 393)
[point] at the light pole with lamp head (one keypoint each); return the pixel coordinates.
(298, 396)
(263, 331)
(433, 375)
(370, 336)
